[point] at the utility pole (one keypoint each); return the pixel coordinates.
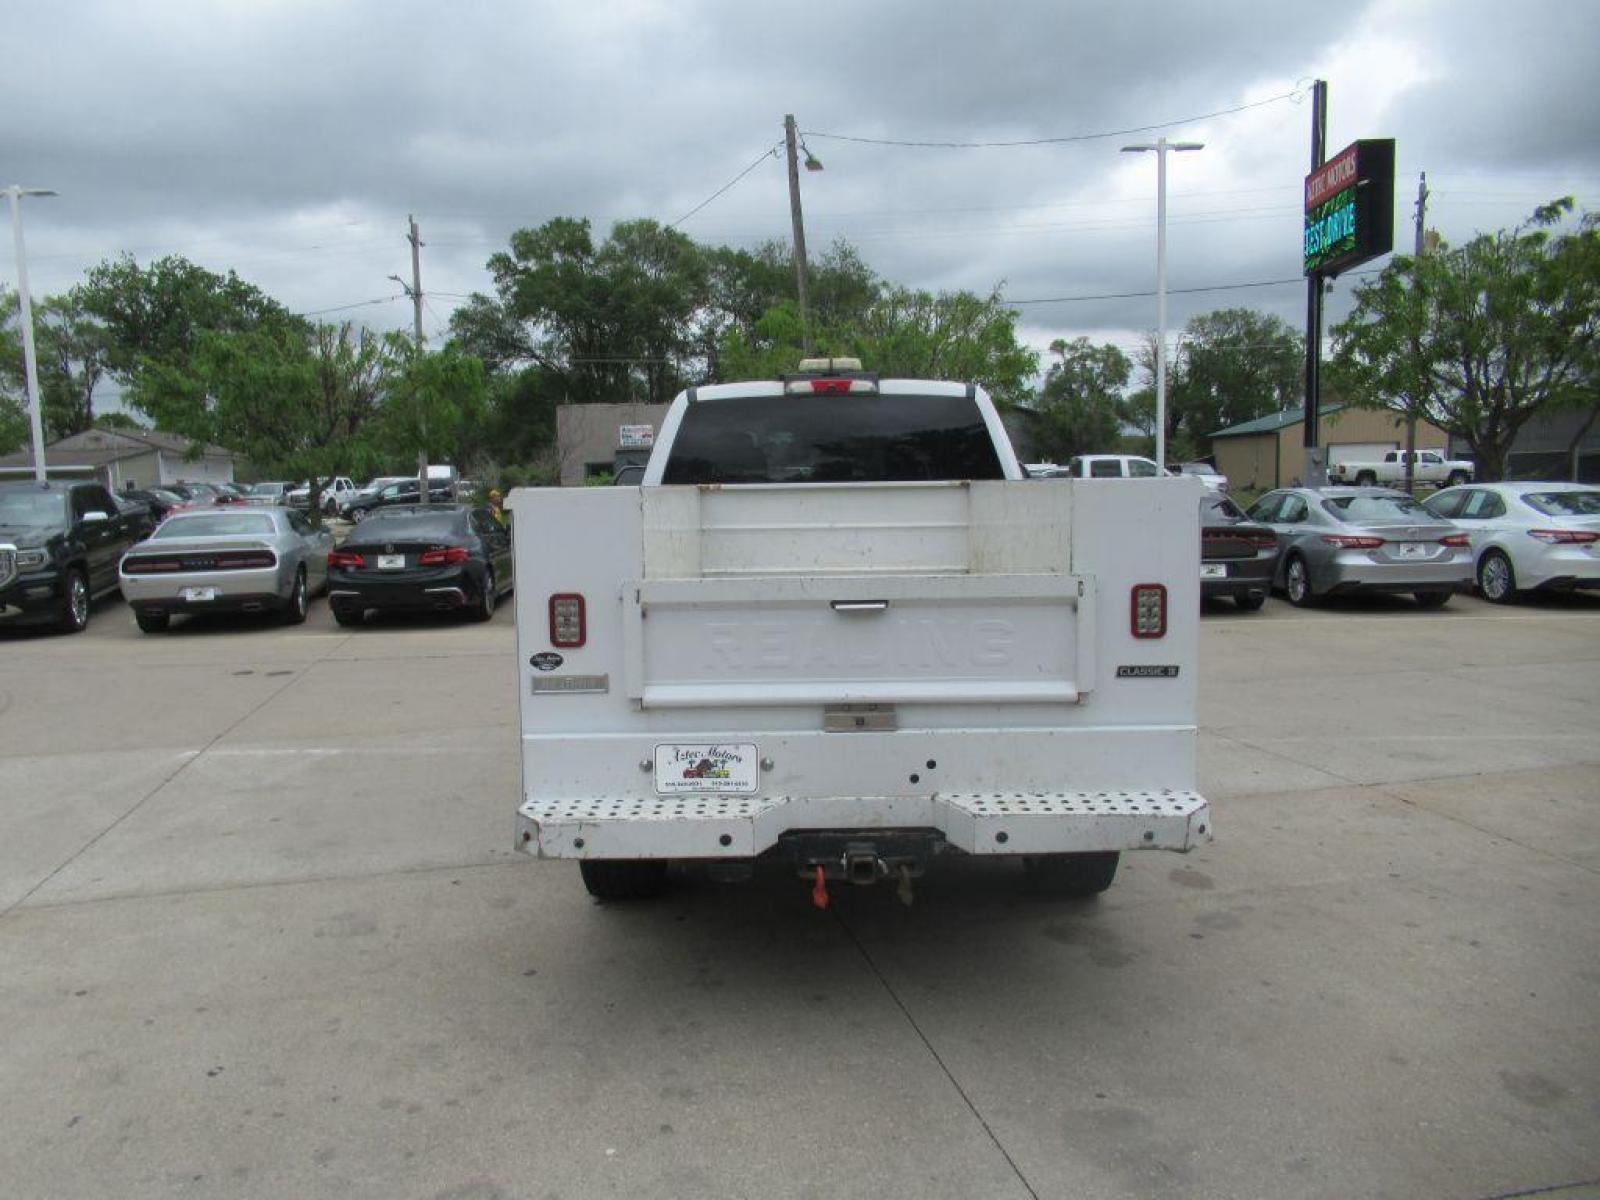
(1417, 401)
(1316, 472)
(30, 357)
(790, 137)
(415, 291)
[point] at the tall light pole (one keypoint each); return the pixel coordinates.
(1161, 146)
(30, 358)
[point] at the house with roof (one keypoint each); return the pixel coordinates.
(1270, 452)
(120, 458)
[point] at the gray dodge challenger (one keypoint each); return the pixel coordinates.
(226, 560)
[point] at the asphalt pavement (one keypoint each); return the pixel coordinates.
(262, 935)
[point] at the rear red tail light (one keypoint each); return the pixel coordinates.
(440, 555)
(568, 626)
(1148, 618)
(1455, 539)
(1564, 537)
(247, 559)
(346, 558)
(1262, 539)
(1352, 542)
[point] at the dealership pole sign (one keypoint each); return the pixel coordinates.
(1350, 208)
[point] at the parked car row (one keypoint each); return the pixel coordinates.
(1313, 542)
(64, 545)
(342, 497)
(1507, 538)
(1340, 540)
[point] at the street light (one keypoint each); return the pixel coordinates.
(30, 358)
(1161, 146)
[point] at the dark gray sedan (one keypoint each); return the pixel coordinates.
(1338, 540)
(230, 559)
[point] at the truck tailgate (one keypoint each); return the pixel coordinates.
(945, 655)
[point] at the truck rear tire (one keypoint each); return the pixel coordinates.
(624, 878)
(1071, 874)
(1366, 479)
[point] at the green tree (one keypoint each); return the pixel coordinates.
(14, 428)
(1080, 406)
(437, 402)
(616, 321)
(14, 432)
(745, 286)
(158, 316)
(520, 422)
(1478, 339)
(71, 347)
(116, 420)
(1232, 365)
(904, 333)
(296, 403)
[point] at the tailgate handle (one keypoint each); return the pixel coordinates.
(850, 606)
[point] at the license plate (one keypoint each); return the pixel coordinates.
(1213, 570)
(391, 562)
(721, 769)
(1412, 550)
(206, 593)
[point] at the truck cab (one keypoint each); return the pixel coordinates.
(836, 625)
(1112, 466)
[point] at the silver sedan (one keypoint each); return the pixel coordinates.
(1527, 535)
(1346, 539)
(226, 560)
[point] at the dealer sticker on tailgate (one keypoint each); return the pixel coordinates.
(721, 769)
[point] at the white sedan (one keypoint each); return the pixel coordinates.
(1527, 535)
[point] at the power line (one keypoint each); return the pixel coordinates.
(1055, 141)
(770, 152)
(317, 312)
(1215, 287)
(440, 325)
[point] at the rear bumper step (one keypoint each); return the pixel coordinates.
(977, 823)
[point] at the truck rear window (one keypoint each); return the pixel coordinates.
(832, 439)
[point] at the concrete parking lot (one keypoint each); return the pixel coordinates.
(263, 936)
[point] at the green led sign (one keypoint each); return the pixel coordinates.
(1350, 208)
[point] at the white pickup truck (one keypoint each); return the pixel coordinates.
(837, 626)
(1431, 468)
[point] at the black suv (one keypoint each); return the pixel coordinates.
(60, 544)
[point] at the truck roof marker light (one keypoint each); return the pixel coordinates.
(823, 365)
(568, 624)
(1148, 618)
(831, 386)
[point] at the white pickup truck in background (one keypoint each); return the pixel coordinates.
(835, 625)
(1431, 468)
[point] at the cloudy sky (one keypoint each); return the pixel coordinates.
(289, 139)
